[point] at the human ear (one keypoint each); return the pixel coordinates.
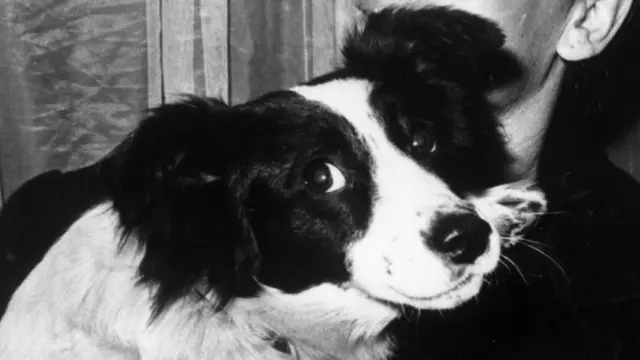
(591, 26)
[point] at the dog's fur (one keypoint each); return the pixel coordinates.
(295, 225)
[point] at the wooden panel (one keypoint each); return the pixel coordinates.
(154, 52)
(267, 46)
(178, 34)
(345, 12)
(325, 31)
(320, 54)
(214, 15)
(244, 48)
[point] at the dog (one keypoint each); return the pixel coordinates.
(296, 225)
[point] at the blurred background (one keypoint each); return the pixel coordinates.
(76, 74)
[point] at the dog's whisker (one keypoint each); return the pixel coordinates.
(517, 268)
(509, 239)
(517, 239)
(512, 240)
(547, 212)
(506, 265)
(544, 254)
(534, 242)
(403, 310)
(535, 246)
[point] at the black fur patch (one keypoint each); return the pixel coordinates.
(216, 193)
(190, 228)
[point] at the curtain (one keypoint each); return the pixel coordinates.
(76, 75)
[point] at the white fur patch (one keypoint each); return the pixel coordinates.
(82, 302)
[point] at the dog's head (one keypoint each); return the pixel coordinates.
(385, 176)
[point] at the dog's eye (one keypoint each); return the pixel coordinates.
(323, 177)
(422, 141)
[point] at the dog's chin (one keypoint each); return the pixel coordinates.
(458, 293)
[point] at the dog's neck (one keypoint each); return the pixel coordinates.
(324, 322)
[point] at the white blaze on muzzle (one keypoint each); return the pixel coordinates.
(424, 246)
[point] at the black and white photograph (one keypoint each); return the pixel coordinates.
(319, 180)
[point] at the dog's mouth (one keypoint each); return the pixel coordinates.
(457, 287)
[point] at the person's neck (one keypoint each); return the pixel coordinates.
(525, 124)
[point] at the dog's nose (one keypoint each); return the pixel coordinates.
(462, 238)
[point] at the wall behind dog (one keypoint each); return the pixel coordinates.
(75, 75)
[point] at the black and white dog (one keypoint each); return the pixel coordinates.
(295, 225)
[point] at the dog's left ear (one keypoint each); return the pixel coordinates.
(174, 187)
(512, 208)
(430, 43)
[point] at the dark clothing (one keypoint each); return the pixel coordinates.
(583, 304)
(588, 310)
(585, 307)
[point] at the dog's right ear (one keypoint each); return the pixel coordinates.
(512, 208)
(175, 143)
(174, 187)
(430, 42)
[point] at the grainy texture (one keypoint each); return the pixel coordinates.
(19, 158)
(178, 34)
(215, 36)
(76, 76)
(320, 37)
(154, 51)
(267, 46)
